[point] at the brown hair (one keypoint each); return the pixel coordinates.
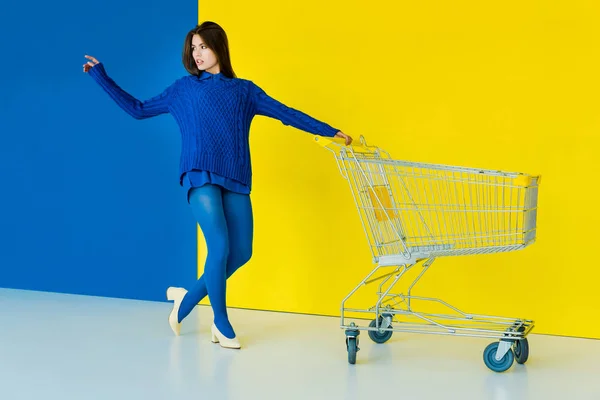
(214, 38)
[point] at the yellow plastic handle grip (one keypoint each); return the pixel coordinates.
(340, 142)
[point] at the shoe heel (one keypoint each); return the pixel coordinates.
(224, 341)
(172, 294)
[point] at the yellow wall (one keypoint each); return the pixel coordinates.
(511, 85)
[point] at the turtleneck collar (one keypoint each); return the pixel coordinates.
(207, 75)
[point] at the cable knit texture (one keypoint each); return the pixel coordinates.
(214, 114)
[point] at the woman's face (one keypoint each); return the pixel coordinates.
(205, 58)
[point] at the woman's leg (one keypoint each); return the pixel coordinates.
(240, 225)
(207, 206)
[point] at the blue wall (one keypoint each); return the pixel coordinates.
(91, 202)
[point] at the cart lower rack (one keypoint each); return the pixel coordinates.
(412, 214)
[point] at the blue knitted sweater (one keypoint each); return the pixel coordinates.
(214, 114)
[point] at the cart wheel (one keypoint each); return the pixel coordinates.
(521, 349)
(352, 344)
(377, 336)
(489, 357)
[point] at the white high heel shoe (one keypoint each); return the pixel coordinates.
(218, 337)
(176, 295)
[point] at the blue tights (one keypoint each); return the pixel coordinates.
(225, 219)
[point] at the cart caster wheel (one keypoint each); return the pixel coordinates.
(489, 357)
(352, 344)
(377, 336)
(521, 349)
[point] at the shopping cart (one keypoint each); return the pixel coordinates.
(413, 213)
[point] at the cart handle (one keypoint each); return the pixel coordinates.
(336, 144)
(340, 142)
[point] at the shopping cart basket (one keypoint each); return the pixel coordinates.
(413, 213)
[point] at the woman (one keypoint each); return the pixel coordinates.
(214, 110)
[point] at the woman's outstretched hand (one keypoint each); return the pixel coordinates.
(342, 135)
(87, 66)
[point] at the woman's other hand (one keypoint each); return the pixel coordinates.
(87, 66)
(342, 135)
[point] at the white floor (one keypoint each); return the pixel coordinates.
(55, 346)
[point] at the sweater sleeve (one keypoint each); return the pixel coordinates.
(269, 107)
(137, 109)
